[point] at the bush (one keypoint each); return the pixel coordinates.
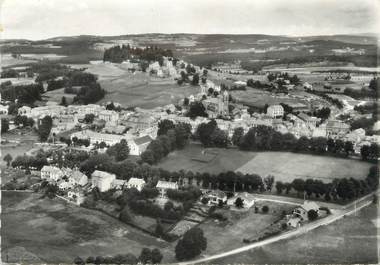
(204, 200)
(191, 244)
(265, 209)
(312, 215)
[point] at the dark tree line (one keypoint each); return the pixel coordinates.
(117, 54)
(24, 94)
(264, 138)
(344, 189)
(147, 256)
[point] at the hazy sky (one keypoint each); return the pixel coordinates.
(39, 19)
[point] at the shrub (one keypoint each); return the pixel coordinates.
(312, 215)
(265, 209)
(204, 200)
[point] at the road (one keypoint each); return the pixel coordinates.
(335, 215)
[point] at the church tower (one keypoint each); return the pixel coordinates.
(226, 98)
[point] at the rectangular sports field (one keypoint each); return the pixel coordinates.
(285, 166)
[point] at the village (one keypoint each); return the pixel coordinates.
(106, 156)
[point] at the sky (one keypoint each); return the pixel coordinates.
(40, 19)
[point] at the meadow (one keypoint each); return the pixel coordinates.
(351, 240)
(285, 166)
(240, 225)
(138, 89)
(53, 231)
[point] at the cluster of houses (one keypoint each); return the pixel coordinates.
(167, 69)
(74, 184)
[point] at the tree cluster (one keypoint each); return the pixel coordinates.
(197, 110)
(191, 244)
(44, 128)
(264, 138)
(30, 162)
(370, 152)
(118, 54)
(4, 125)
(119, 151)
(24, 94)
(210, 135)
(189, 194)
(175, 138)
(337, 189)
(24, 121)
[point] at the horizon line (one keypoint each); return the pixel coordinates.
(370, 34)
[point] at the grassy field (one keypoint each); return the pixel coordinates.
(350, 240)
(26, 139)
(285, 166)
(56, 96)
(226, 159)
(245, 224)
(54, 231)
(139, 89)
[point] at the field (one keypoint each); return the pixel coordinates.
(285, 166)
(258, 98)
(139, 89)
(226, 159)
(350, 240)
(56, 96)
(20, 142)
(53, 231)
(8, 60)
(244, 224)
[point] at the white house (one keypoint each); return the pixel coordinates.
(139, 145)
(163, 186)
(95, 137)
(102, 180)
(64, 185)
(136, 183)
(109, 116)
(78, 178)
(3, 109)
(275, 111)
(24, 111)
(51, 173)
(216, 197)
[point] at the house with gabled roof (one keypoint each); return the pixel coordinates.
(139, 145)
(136, 183)
(51, 173)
